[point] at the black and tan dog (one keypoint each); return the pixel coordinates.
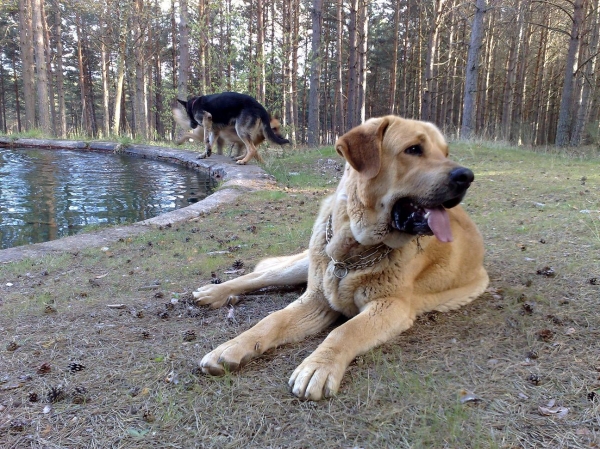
(243, 112)
(391, 243)
(226, 136)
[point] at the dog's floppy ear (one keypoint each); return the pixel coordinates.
(183, 102)
(361, 147)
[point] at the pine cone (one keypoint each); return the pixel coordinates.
(215, 280)
(12, 346)
(237, 264)
(146, 335)
(49, 309)
(55, 394)
(44, 369)
(74, 367)
(33, 397)
(189, 335)
(17, 425)
(79, 395)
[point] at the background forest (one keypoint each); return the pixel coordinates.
(522, 71)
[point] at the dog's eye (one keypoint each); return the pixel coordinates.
(415, 150)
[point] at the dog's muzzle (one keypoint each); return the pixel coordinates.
(414, 216)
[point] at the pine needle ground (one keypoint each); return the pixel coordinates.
(99, 347)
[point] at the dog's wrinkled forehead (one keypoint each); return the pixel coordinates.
(403, 133)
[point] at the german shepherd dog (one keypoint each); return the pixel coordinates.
(241, 111)
(227, 136)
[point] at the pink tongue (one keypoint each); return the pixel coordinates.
(439, 222)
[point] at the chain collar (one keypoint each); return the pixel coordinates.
(365, 259)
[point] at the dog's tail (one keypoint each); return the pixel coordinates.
(268, 131)
(181, 118)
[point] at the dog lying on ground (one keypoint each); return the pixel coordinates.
(391, 243)
(227, 135)
(247, 116)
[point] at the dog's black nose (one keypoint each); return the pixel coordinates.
(461, 177)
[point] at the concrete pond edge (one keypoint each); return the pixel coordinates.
(234, 180)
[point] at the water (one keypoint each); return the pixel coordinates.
(48, 194)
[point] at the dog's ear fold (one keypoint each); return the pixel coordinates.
(183, 102)
(361, 147)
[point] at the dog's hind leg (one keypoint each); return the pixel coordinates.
(277, 271)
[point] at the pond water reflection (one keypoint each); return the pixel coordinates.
(48, 194)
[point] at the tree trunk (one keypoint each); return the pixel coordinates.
(315, 71)
(17, 98)
(184, 51)
(363, 34)
(589, 82)
(340, 127)
(120, 78)
(41, 68)
(202, 45)
(141, 109)
(60, 85)
(294, 85)
(25, 40)
(429, 75)
(104, 68)
(260, 51)
(49, 71)
(470, 95)
(352, 119)
(563, 127)
(394, 67)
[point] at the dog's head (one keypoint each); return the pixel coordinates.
(276, 126)
(398, 181)
(194, 114)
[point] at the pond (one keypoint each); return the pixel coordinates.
(48, 194)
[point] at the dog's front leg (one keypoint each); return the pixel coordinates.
(320, 374)
(307, 315)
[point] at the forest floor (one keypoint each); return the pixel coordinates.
(99, 347)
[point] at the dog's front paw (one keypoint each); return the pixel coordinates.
(229, 356)
(214, 295)
(241, 162)
(316, 378)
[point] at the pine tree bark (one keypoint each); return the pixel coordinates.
(25, 40)
(589, 81)
(41, 68)
(352, 119)
(563, 127)
(362, 60)
(315, 71)
(468, 117)
(429, 73)
(184, 51)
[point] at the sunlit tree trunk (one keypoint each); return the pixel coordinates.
(120, 77)
(363, 20)
(141, 108)
(26, 38)
(352, 119)
(41, 68)
(340, 127)
(315, 71)
(590, 67)
(394, 65)
(104, 68)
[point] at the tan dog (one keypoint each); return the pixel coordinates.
(391, 243)
(225, 136)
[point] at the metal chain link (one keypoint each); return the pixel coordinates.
(366, 259)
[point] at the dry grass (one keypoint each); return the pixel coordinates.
(533, 338)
